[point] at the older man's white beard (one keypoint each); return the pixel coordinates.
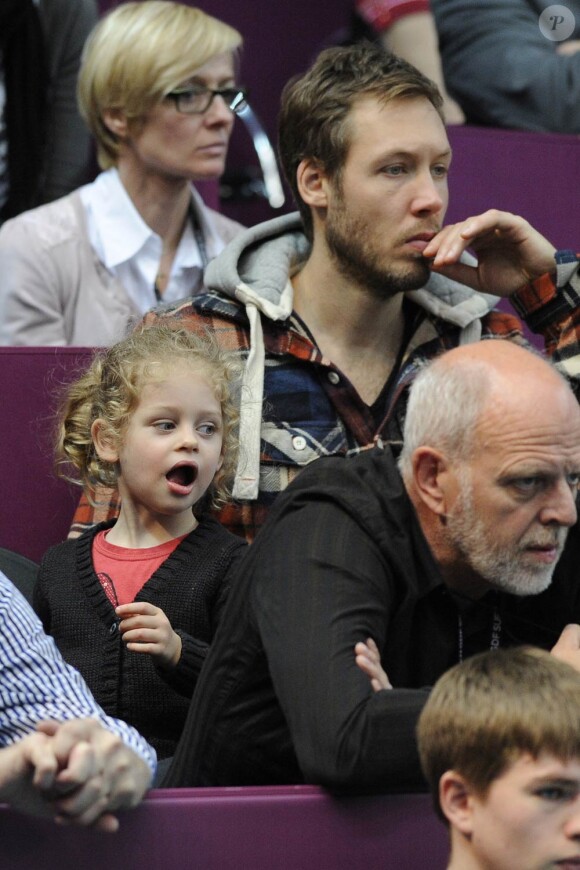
(502, 566)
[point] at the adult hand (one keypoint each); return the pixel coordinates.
(567, 648)
(146, 629)
(510, 252)
(97, 774)
(368, 659)
(27, 767)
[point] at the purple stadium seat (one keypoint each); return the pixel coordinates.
(283, 828)
(535, 175)
(36, 508)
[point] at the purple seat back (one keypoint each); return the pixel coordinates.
(35, 507)
(302, 828)
(535, 175)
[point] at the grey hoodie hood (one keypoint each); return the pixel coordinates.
(255, 269)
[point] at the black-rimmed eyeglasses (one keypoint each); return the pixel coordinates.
(196, 101)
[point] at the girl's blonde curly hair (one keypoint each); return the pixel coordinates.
(110, 389)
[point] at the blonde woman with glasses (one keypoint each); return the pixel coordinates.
(158, 91)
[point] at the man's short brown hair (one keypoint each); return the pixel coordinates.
(315, 106)
(491, 709)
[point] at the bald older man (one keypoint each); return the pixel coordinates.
(456, 549)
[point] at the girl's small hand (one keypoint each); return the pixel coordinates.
(146, 629)
(368, 659)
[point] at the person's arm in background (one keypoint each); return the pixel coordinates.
(407, 28)
(66, 25)
(414, 38)
(100, 764)
(501, 68)
(315, 597)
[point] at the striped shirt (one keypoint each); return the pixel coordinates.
(36, 683)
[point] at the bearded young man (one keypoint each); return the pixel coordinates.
(462, 550)
(335, 309)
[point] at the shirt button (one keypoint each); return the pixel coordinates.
(113, 628)
(333, 377)
(298, 442)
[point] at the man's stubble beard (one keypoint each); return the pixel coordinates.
(358, 260)
(497, 564)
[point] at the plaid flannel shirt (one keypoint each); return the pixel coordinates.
(310, 408)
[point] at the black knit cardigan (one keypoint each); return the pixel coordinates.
(190, 587)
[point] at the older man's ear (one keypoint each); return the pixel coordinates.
(434, 481)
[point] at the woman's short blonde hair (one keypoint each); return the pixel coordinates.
(137, 54)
